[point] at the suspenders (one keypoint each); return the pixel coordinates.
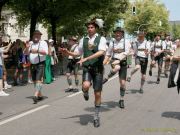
(123, 47)
(38, 52)
(156, 46)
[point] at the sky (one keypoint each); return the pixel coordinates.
(174, 8)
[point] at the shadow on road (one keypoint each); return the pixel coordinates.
(1, 113)
(174, 115)
(132, 91)
(106, 106)
(151, 82)
(84, 119)
(9, 90)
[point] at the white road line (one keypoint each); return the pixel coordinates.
(75, 94)
(72, 95)
(23, 114)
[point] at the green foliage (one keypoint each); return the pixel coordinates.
(175, 30)
(150, 13)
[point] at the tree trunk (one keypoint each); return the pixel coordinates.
(34, 17)
(53, 29)
(0, 10)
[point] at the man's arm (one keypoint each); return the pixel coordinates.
(6, 49)
(96, 55)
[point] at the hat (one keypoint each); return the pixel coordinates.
(119, 29)
(37, 32)
(50, 40)
(74, 38)
(96, 22)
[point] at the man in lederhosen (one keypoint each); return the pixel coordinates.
(168, 51)
(157, 50)
(37, 49)
(93, 48)
(72, 66)
(141, 49)
(117, 51)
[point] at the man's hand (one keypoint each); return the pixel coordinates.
(146, 51)
(34, 51)
(27, 45)
(82, 61)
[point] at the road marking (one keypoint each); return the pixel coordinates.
(75, 94)
(72, 95)
(23, 114)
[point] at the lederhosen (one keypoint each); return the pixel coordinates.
(72, 63)
(167, 51)
(143, 62)
(159, 58)
(123, 63)
(93, 69)
(37, 70)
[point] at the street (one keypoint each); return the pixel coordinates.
(156, 112)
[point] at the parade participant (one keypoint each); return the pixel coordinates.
(72, 66)
(117, 51)
(157, 55)
(168, 51)
(6, 85)
(18, 75)
(47, 70)
(37, 49)
(2, 51)
(54, 58)
(93, 48)
(141, 49)
(174, 77)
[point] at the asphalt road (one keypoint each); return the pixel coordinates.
(156, 112)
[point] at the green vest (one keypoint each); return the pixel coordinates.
(90, 50)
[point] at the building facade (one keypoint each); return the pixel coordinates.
(9, 28)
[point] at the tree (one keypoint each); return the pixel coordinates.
(175, 30)
(28, 11)
(109, 10)
(151, 16)
(2, 3)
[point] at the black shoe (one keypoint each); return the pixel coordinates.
(141, 91)
(76, 90)
(121, 104)
(158, 81)
(96, 123)
(166, 75)
(35, 99)
(129, 79)
(150, 73)
(69, 90)
(86, 96)
(40, 98)
(105, 80)
(15, 84)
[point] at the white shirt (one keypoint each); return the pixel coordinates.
(118, 45)
(54, 56)
(102, 44)
(73, 48)
(167, 45)
(144, 45)
(157, 46)
(42, 46)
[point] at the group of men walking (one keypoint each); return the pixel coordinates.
(95, 54)
(92, 53)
